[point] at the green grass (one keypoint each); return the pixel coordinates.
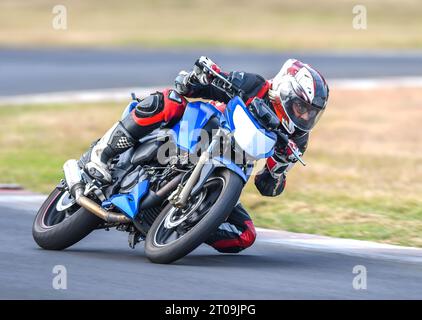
(36, 140)
(341, 215)
(266, 24)
(361, 182)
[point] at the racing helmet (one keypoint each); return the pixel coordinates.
(299, 95)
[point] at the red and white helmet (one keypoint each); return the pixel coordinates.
(299, 95)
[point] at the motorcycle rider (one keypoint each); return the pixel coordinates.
(298, 95)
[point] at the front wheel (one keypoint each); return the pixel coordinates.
(61, 222)
(177, 232)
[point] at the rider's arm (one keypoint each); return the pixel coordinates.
(197, 85)
(271, 180)
(194, 89)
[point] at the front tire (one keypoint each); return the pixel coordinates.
(158, 251)
(56, 229)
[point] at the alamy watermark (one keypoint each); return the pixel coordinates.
(360, 19)
(59, 21)
(60, 279)
(360, 280)
(230, 147)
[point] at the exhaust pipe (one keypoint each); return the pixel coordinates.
(96, 209)
(73, 178)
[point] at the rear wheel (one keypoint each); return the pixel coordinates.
(61, 222)
(176, 232)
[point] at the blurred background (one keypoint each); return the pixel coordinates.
(67, 69)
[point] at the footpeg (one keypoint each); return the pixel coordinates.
(98, 173)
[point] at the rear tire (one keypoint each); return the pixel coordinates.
(217, 214)
(69, 229)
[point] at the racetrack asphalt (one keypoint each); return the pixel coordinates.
(28, 71)
(102, 266)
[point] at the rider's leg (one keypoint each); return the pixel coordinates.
(234, 235)
(149, 114)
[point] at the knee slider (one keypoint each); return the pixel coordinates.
(150, 106)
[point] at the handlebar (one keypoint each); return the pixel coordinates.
(285, 139)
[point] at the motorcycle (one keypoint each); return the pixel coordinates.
(172, 199)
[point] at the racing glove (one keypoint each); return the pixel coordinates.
(201, 72)
(198, 76)
(271, 180)
(267, 184)
(285, 155)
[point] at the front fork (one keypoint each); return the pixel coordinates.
(180, 196)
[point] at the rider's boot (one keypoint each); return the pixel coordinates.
(116, 140)
(120, 137)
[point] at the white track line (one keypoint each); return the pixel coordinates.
(342, 246)
(91, 96)
(25, 203)
(123, 94)
(30, 198)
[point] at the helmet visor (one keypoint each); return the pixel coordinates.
(303, 114)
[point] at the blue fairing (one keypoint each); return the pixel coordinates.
(187, 135)
(236, 102)
(129, 108)
(228, 113)
(187, 130)
(129, 203)
(233, 167)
